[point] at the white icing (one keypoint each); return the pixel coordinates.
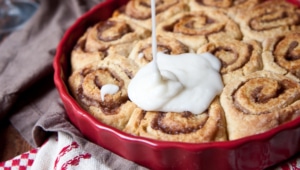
(140, 55)
(185, 82)
(153, 21)
(108, 89)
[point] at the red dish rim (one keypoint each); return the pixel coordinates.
(65, 95)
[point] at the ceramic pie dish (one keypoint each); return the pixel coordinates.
(253, 152)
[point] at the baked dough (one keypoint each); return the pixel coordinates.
(232, 7)
(269, 19)
(86, 86)
(282, 55)
(238, 58)
(141, 53)
(196, 28)
(256, 41)
(139, 11)
(259, 102)
(185, 127)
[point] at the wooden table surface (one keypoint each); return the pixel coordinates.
(11, 143)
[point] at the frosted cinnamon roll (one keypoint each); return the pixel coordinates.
(139, 11)
(183, 127)
(269, 19)
(114, 35)
(282, 55)
(238, 58)
(101, 89)
(141, 53)
(194, 29)
(259, 102)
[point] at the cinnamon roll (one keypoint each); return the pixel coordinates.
(139, 11)
(81, 57)
(269, 19)
(101, 89)
(141, 53)
(255, 40)
(194, 29)
(114, 35)
(184, 127)
(226, 6)
(238, 58)
(282, 55)
(259, 102)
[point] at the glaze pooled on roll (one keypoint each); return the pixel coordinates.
(176, 83)
(185, 82)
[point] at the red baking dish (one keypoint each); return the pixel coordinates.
(253, 152)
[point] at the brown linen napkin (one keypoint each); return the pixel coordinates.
(27, 93)
(26, 55)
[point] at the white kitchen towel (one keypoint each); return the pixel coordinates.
(61, 152)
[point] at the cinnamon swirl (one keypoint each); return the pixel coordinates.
(227, 6)
(142, 51)
(270, 18)
(185, 127)
(81, 57)
(87, 86)
(238, 58)
(259, 102)
(115, 34)
(282, 55)
(194, 29)
(139, 11)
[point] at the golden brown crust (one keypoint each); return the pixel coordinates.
(139, 11)
(270, 18)
(141, 53)
(232, 7)
(113, 36)
(185, 127)
(238, 58)
(259, 102)
(282, 55)
(195, 29)
(197, 5)
(81, 56)
(113, 32)
(86, 86)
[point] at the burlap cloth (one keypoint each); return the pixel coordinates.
(28, 96)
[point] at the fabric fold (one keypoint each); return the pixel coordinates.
(57, 123)
(28, 96)
(27, 54)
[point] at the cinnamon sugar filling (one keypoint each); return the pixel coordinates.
(271, 20)
(262, 96)
(111, 103)
(231, 59)
(141, 10)
(112, 30)
(287, 56)
(195, 25)
(215, 3)
(182, 123)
